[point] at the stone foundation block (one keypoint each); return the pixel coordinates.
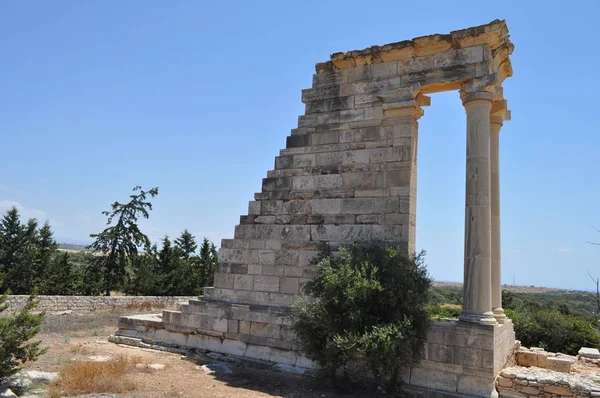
(526, 358)
(204, 342)
(476, 386)
(560, 364)
(234, 347)
(433, 379)
(170, 338)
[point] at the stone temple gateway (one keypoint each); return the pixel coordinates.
(349, 173)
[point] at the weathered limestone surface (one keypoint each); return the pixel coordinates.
(348, 173)
(519, 382)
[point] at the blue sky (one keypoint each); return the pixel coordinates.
(197, 98)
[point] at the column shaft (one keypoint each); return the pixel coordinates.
(495, 126)
(477, 300)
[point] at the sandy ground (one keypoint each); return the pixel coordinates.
(74, 337)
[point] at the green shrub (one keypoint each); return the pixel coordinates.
(437, 312)
(365, 310)
(15, 333)
(554, 331)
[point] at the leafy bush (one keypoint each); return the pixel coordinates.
(15, 333)
(437, 312)
(553, 330)
(366, 308)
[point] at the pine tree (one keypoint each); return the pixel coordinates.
(16, 331)
(118, 244)
(60, 278)
(45, 249)
(209, 262)
(15, 242)
(187, 243)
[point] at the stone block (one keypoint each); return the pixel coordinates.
(244, 327)
(325, 206)
(266, 283)
(285, 357)
(232, 326)
(542, 359)
(328, 181)
(559, 364)
(220, 325)
(441, 353)
(243, 282)
(292, 271)
(170, 338)
(526, 358)
(472, 357)
(504, 381)
(289, 285)
(258, 352)
(233, 347)
(475, 386)
(433, 379)
(590, 353)
(204, 342)
(295, 232)
(262, 329)
(224, 281)
(304, 183)
(253, 269)
(528, 390)
(559, 390)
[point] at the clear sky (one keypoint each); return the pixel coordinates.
(197, 98)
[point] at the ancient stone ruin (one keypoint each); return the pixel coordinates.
(349, 173)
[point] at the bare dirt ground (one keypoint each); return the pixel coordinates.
(74, 337)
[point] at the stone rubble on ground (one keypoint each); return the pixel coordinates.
(520, 382)
(153, 366)
(39, 376)
(215, 368)
(538, 357)
(8, 393)
(100, 358)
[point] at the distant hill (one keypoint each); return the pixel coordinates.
(72, 247)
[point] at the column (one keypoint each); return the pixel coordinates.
(498, 114)
(477, 298)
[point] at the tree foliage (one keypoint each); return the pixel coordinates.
(175, 270)
(367, 302)
(119, 243)
(16, 331)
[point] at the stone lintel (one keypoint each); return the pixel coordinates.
(495, 35)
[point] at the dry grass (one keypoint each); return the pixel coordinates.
(94, 377)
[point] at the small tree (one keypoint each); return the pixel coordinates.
(16, 331)
(60, 279)
(119, 243)
(367, 305)
(209, 263)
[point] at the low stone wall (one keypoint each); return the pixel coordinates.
(521, 382)
(93, 303)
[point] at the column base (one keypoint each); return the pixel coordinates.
(483, 318)
(499, 314)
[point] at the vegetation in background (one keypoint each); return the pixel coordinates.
(558, 321)
(124, 260)
(118, 244)
(176, 269)
(16, 331)
(366, 302)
